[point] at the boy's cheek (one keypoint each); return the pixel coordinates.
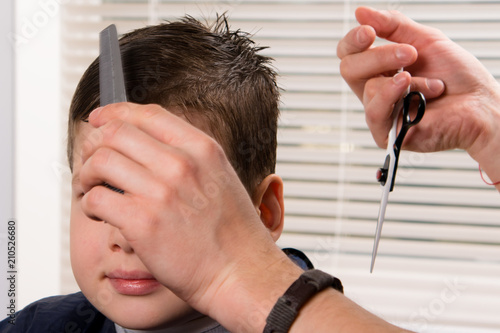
(85, 234)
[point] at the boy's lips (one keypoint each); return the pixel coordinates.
(133, 283)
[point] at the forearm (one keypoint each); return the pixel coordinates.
(331, 311)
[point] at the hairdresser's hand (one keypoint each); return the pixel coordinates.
(184, 211)
(462, 97)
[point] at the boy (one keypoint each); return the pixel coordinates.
(210, 77)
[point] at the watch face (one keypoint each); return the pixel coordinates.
(299, 258)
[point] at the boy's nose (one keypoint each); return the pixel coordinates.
(116, 240)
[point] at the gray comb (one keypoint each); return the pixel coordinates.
(111, 81)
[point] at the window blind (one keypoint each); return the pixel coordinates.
(439, 255)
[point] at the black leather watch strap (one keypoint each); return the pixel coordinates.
(304, 288)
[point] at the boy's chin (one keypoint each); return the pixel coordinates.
(147, 312)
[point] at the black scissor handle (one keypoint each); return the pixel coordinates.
(407, 105)
(407, 120)
(407, 123)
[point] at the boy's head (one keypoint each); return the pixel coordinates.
(214, 79)
(206, 72)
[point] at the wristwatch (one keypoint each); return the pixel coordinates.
(287, 307)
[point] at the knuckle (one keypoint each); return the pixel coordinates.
(369, 117)
(372, 87)
(210, 147)
(92, 140)
(120, 110)
(346, 46)
(152, 111)
(113, 128)
(100, 159)
(92, 200)
(340, 50)
(345, 68)
(182, 166)
(163, 194)
(87, 149)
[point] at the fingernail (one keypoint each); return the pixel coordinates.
(399, 79)
(96, 112)
(403, 53)
(361, 36)
(435, 85)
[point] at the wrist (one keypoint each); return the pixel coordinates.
(309, 284)
(247, 296)
(485, 149)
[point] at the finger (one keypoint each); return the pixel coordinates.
(396, 27)
(359, 67)
(152, 119)
(356, 40)
(381, 94)
(101, 204)
(108, 166)
(430, 88)
(132, 143)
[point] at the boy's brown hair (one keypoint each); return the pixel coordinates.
(208, 71)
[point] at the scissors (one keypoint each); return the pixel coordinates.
(111, 80)
(386, 175)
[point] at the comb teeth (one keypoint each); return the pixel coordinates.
(112, 188)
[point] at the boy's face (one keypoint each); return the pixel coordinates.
(110, 274)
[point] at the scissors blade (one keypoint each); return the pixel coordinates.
(111, 81)
(387, 187)
(380, 221)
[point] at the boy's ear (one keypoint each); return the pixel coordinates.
(269, 203)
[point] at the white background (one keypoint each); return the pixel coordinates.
(6, 139)
(37, 196)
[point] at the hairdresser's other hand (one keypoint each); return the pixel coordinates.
(184, 211)
(462, 97)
